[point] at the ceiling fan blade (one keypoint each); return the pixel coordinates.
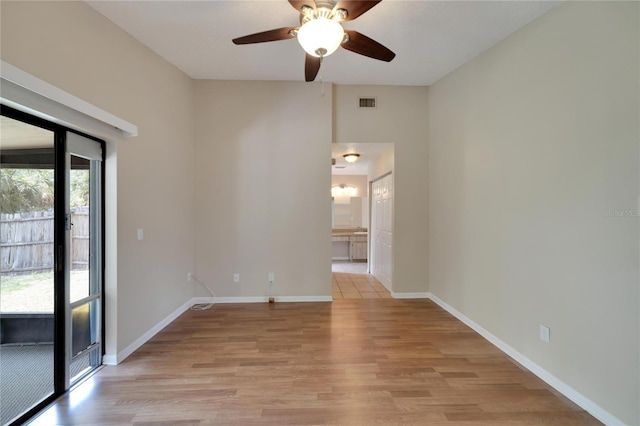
(297, 4)
(355, 8)
(363, 45)
(311, 67)
(271, 35)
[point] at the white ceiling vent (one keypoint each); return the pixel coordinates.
(367, 103)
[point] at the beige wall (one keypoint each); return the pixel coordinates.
(382, 165)
(73, 47)
(532, 147)
(399, 118)
(263, 205)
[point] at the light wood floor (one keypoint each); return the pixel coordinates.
(349, 362)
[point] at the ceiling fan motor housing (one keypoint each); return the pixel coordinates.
(324, 9)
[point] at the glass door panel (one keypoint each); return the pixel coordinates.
(27, 317)
(79, 183)
(84, 339)
(84, 255)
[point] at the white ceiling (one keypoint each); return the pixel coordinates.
(430, 38)
(19, 135)
(369, 152)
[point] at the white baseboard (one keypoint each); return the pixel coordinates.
(110, 359)
(410, 295)
(261, 299)
(290, 299)
(589, 406)
(252, 299)
(575, 396)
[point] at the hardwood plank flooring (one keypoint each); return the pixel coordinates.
(349, 362)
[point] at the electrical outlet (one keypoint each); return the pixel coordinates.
(140, 234)
(189, 277)
(236, 278)
(545, 333)
(272, 277)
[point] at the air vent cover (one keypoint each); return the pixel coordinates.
(367, 102)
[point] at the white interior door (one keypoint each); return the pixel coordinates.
(382, 230)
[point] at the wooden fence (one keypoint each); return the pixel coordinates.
(26, 241)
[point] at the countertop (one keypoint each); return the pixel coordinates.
(347, 232)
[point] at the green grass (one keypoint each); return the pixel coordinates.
(15, 283)
(34, 292)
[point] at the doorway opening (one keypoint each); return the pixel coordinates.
(356, 273)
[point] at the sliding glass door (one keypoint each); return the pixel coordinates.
(51, 262)
(27, 279)
(83, 221)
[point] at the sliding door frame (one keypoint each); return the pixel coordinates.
(61, 251)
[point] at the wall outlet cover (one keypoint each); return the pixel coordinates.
(545, 333)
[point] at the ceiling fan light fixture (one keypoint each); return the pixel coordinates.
(351, 158)
(320, 37)
(321, 33)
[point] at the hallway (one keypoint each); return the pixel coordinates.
(350, 280)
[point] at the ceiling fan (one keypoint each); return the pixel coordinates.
(321, 33)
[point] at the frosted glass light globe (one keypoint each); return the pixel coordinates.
(320, 37)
